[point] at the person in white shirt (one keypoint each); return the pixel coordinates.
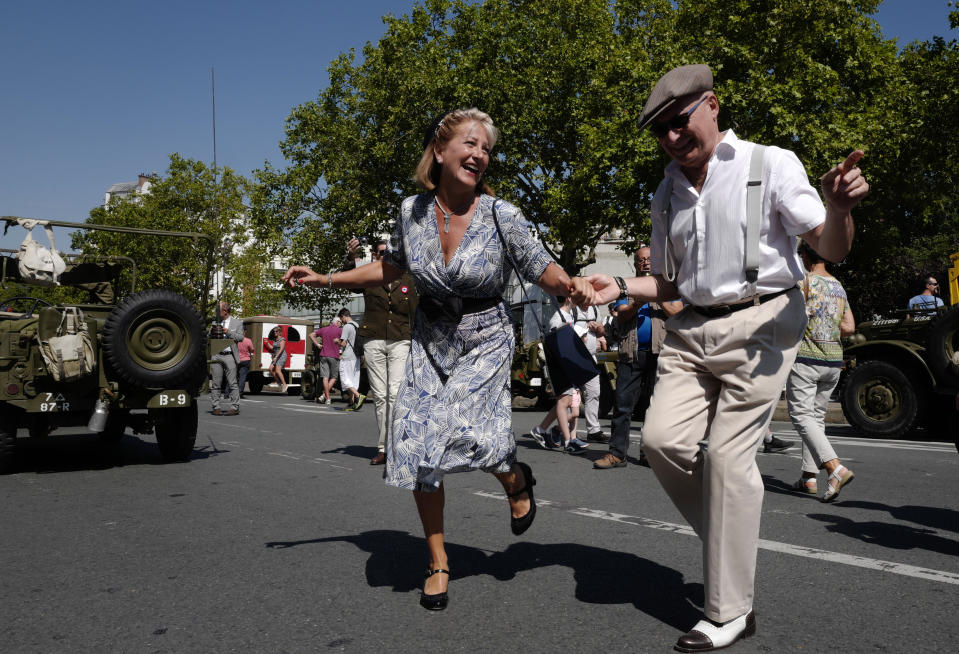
(727, 354)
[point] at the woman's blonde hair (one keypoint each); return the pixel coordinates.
(439, 134)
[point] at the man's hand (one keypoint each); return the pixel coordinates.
(844, 185)
(580, 291)
(300, 275)
(604, 289)
(352, 246)
(596, 328)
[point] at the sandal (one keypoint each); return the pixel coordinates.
(521, 524)
(438, 601)
(843, 476)
(806, 485)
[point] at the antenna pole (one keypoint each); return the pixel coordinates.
(213, 95)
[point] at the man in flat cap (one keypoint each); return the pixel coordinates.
(730, 254)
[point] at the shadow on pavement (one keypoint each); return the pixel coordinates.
(602, 576)
(935, 517)
(900, 537)
(76, 452)
(359, 451)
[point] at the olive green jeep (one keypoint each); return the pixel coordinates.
(112, 363)
(902, 372)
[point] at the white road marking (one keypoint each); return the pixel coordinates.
(784, 548)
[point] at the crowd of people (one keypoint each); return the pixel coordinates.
(719, 322)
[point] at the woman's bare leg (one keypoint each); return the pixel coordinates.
(430, 507)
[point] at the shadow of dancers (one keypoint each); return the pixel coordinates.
(602, 576)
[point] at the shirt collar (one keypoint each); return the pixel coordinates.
(725, 149)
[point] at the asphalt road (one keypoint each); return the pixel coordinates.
(279, 537)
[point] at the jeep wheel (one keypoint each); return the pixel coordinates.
(156, 339)
(879, 400)
(255, 382)
(176, 432)
(308, 386)
(9, 421)
(943, 351)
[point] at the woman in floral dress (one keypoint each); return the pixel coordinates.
(453, 410)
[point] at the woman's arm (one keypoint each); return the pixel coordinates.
(377, 273)
(848, 325)
(554, 280)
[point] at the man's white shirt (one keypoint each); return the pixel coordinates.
(707, 235)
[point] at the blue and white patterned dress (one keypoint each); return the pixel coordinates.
(453, 410)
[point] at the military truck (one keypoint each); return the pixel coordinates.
(122, 360)
(902, 372)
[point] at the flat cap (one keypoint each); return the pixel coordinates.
(694, 78)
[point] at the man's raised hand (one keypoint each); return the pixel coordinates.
(844, 185)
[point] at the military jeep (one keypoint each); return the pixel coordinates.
(145, 365)
(902, 372)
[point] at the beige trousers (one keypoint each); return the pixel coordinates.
(718, 382)
(385, 369)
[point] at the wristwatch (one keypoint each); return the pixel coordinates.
(623, 293)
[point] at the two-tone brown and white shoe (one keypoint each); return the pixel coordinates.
(707, 636)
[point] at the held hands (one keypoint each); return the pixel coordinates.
(297, 275)
(844, 185)
(595, 289)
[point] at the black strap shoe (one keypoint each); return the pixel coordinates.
(521, 524)
(436, 602)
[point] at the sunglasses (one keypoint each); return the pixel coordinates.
(679, 121)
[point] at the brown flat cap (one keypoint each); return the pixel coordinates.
(694, 78)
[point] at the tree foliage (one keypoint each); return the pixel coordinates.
(565, 80)
(190, 197)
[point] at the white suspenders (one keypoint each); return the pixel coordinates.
(754, 205)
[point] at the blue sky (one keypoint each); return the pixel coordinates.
(94, 93)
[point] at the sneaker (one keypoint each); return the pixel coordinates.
(554, 440)
(576, 446)
(597, 437)
(327, 401)
(776, 445)
(539, 435)
(359, 402)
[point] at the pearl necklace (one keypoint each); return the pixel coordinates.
(447, 214)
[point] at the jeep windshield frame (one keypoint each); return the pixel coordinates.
(196, 236)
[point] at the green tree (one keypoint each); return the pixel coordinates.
(565, 81)
(559, 77)
(190, 197)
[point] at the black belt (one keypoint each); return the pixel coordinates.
(453, 308)
(726, 309)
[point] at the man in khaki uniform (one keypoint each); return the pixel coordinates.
(727, 354)
(386, 332)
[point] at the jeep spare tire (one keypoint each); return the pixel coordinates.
(156, 339)
(943, 350)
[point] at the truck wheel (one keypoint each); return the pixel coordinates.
(944, 346)
(879, 400)
(308, 386)
(9, 422)
(255, 382)
(176, 432)
(156, 339)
